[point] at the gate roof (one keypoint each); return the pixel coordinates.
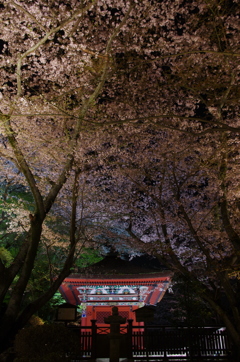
(117, 281)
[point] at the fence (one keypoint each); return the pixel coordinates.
(167, 343)
(159, 343)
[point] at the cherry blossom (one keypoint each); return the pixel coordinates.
(124, 114)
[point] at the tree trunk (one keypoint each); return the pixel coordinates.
(14, 305)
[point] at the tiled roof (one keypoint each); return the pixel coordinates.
(112, 266)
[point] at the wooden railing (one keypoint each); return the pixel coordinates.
(180, 343)
(157, 343)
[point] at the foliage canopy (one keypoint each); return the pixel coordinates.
(120, 115)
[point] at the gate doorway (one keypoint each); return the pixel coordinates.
(98, 313)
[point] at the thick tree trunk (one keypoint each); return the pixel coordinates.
(14, 317)
(14, 306)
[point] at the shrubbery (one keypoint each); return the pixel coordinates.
(48, 343)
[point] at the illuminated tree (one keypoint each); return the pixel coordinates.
(93, 92)
(50, 82)
(182, 206)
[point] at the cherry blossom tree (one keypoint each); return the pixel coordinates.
(173, 166)
(182, 206)
(51, 80)
(97, 93)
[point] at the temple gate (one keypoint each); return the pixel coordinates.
(114, 282)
